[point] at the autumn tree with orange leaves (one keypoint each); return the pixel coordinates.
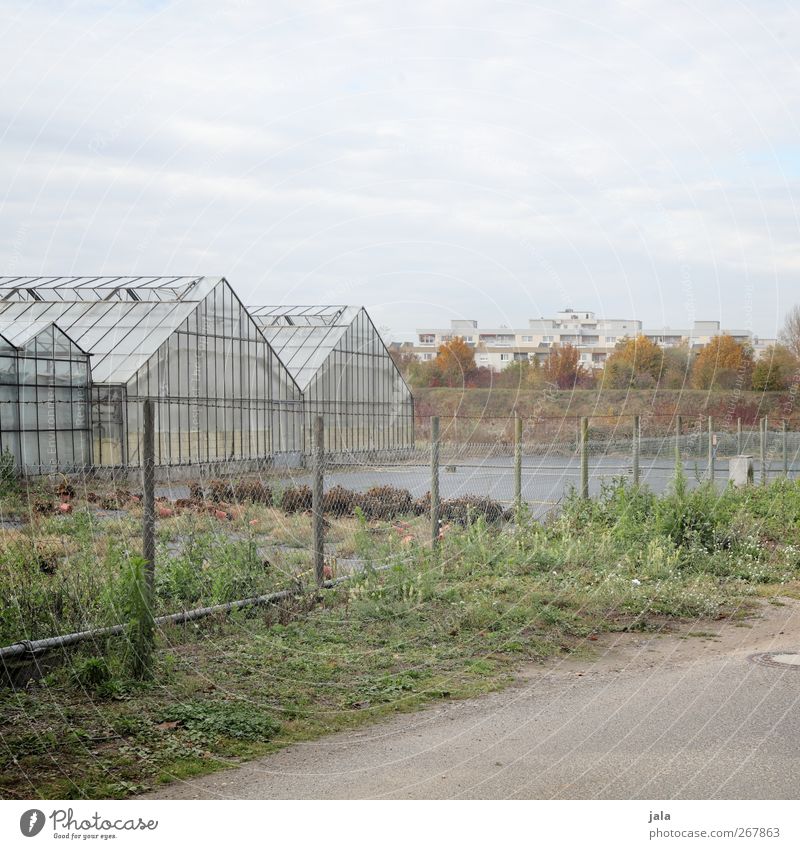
(455, 362)
(636, 361)
(563, 367)
(723, 363)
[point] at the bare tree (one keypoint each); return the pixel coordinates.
(790, 335)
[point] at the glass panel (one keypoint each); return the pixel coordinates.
(8, 369)
(44, 342)
(27, 370)
(45, 372)
(62, 372)
(62, 344)
(79, 374)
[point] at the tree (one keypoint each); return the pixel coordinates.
(790, 335)
(723, 363)
(636, 361)
(563, 367)
(520, 374)
(775, 369)
(677, 367)
(402, 359)
(421, 373)
(455, 362)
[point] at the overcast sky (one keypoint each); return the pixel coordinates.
(431, 160)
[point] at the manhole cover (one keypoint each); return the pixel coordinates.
(779, 659)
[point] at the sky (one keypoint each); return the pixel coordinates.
(496, 161)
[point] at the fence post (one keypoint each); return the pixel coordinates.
(763, 450)
(518, 464)
(711, 469)
(739, 435)
(585, 457)
(636, 436)
(142, 635)
(317, 495)
(148, 496)
(434, 482)
(785, 450)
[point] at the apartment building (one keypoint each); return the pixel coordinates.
(701, 332)
(595, 338)
(496, 347)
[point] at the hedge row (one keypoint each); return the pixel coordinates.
(379, 502)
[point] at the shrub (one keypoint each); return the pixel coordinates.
(65, 490)
(385, 502)
(196, 491)
(296, 499)
(220, 490)
(339, 501)
(465, 510)
(422, 506)
(254, 491)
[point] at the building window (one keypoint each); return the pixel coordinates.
(503, 358)
(527, 338)
(547, 338)
(426, 338)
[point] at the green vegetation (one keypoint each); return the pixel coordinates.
(547, 414)
(428, 627)
(9, 482)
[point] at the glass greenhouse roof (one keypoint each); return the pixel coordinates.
(19, 333)
(301, 316)
(120, 321)
(303, 336)
(106, 288)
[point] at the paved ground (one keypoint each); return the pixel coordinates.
(545, 480)
(676, 715)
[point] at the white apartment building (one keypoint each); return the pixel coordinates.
(595, 338)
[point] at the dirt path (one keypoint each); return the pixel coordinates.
(681, 715)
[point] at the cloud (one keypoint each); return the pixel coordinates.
(488, 160)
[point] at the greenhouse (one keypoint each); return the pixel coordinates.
(340, 363)
(44, 397)
(220, 392)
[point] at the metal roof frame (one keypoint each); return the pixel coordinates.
(104, 288)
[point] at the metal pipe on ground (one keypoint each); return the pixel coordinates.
(33, 647)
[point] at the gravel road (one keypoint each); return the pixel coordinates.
(686, 714)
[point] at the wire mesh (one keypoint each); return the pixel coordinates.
(233, 530)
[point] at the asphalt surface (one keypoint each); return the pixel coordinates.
(545, 480)
(676, 715)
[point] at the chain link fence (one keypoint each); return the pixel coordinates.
(220, 537)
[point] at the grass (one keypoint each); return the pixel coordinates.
(449, 626)
(691, 403)
(63, 573)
